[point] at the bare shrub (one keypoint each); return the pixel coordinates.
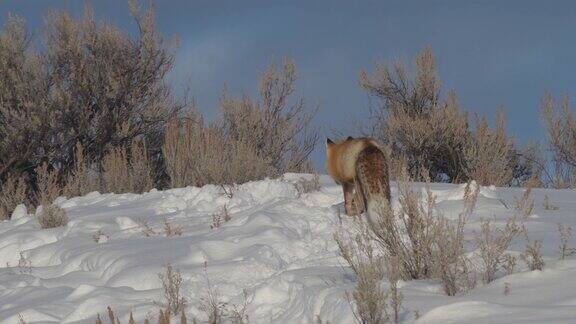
(24, 264)
(211, 304)
(221, 217)
(112, 317)
(115, 171)
(560, 125)
(180, 149)
(565, 232)
(238, 312)
(163, 318)
(13, 191)
(532, 255)
(147, 229)
(507, 288)
(81, 180)
(49, 189)
(199, 154)
(509, 263)
(168, 229)
(547, 205)
(171, 230)
(451, 266)
(23, 90)
(48, 185)
(304, 185)
(279, 128)
(90, 83)
(127, 171)
(251, 139)
(412, 120)
(426, 245)
(525, 204)
(52, 216)
(369, 299)
(433, 133)
(493, 242)
(488, 154)
(172, 283)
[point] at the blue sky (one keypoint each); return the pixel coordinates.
(493, 53)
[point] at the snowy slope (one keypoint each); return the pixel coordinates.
(278, 246)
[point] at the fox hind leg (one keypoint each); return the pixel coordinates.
(352, 200)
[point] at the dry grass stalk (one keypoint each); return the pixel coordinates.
(127, 171)
(24, 265)
(509, 263)
(493, 242)
(525, 204)
(561, 128)
(219, 218)
(81, 179)
(52, 216)
(304, 185)
(112, 317)
(488, 154)
(13, 192)
(565, 232)
(172, 283)
(547, 205)
(369, 299)
(532, 255)
(211, 304)
(507, 288)
(171, 230)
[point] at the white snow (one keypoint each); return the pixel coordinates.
(278, 246)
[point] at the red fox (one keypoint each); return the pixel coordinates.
(360, 166)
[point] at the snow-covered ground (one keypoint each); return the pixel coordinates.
(278, 246)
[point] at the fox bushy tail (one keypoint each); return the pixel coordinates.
(373, 181)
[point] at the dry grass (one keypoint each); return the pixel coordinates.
(565, 232)
(48, 184)
(525, 204)
(52, 216)
(418, 243)
(163, 318)
(127, 171)
(49, 189)
(547, 205)
(493, 243)
(370, 301)
(219, 218)
(172, 283)
(560, 124)
(509, 263)
(24, 265)
(81, 179)
(13, 192)
(532, 255)
(304, 185)
(199, 154)
(488, 154)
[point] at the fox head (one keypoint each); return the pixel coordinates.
(331, 145)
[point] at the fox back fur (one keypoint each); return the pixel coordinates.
(360, 166)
